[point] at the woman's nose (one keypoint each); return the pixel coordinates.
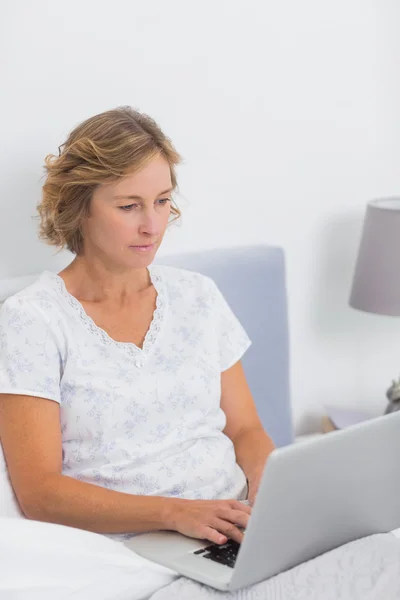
(150, 223)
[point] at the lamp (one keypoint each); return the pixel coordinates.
(376, 282)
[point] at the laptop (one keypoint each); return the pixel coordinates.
(314, 496)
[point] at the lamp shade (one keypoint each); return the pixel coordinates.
(376, 283)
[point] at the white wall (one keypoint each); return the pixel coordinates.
(287, 115)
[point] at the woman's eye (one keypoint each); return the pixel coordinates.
(127, 207)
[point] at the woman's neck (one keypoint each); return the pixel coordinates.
(95, 282)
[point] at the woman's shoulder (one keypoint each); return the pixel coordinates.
(183, 280)
(39, 299)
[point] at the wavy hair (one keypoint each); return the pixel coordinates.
(102, 149)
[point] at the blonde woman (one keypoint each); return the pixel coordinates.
(123, 403)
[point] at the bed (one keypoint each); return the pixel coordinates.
(40, 560)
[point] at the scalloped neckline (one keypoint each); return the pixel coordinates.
(152, 331)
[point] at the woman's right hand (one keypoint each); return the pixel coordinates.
(214, 520)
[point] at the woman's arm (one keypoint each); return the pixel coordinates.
(243, 426)
(31, 437)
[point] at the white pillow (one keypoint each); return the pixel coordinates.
(9, 506)
(44, 561)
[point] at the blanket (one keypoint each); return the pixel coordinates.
(367, 569)
(43, 561)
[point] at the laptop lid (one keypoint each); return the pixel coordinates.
(321, 494)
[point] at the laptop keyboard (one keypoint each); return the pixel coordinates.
(225, 554)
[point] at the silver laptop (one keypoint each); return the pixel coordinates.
(313, 497)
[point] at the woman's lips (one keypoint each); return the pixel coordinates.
(143, 248)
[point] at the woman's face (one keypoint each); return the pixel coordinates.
(128, 219)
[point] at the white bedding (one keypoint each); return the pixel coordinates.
(41, 561)
(367, 569)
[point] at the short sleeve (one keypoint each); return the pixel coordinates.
(233, 340)
(30, 362)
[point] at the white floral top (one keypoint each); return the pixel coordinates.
(140, 421)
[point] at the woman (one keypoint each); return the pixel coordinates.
(123, 403)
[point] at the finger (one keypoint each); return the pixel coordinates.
(229, 530)
(236, 505)
(214, 536)
(237, 517)
(243, 515)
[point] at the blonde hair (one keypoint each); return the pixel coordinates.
(102, 149)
